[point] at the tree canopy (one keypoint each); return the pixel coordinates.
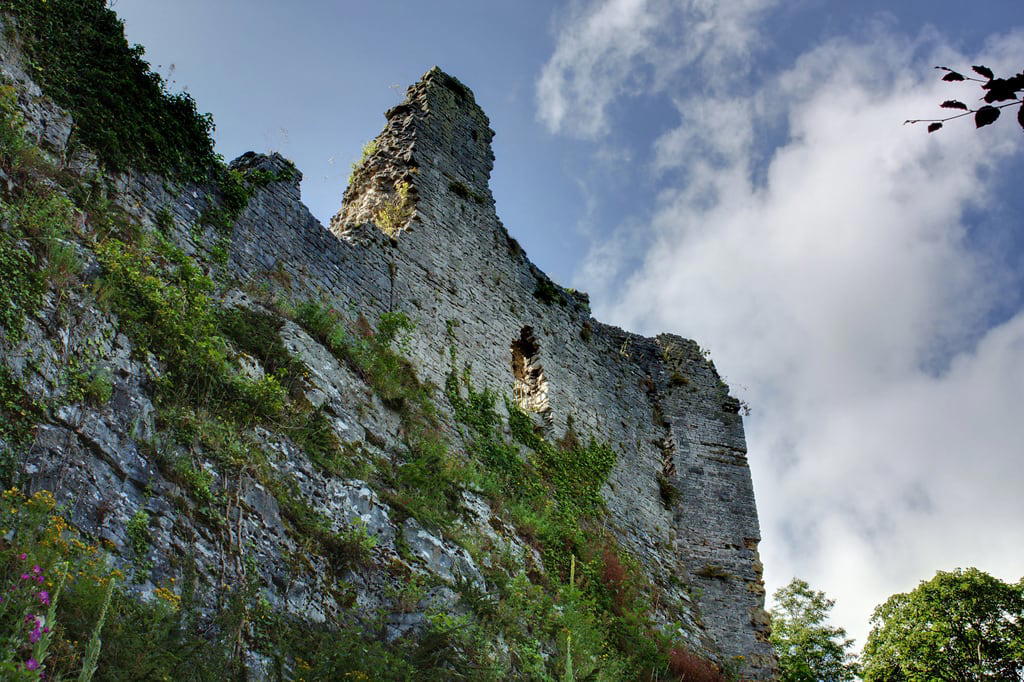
(960, 625)
(809, 649)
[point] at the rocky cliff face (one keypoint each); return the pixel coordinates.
(384, 427)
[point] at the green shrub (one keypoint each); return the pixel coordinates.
(19, 157)
(95, 386)
(196, 479)
(548, 292)
(311, 430)
(358, 543)
(258, 334)
(35, 220)
(163, 303)
(236, 187)
(122, 110)
(164, 219)
(42, 217)
(137, 531)
(552, 493)
(460, 190)
(152, 640)
(427, 482)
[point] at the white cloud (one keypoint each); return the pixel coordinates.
(840, 284)
(627, 47)
(922, 475)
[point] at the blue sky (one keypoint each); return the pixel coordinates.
(737, 173)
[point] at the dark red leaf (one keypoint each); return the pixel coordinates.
(953, 76)
(933, 127)
(1000, 90)
(999, 94)
(983, 71)
(985, 116)
(953, 104)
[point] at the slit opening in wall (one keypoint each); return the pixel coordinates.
(530, 389)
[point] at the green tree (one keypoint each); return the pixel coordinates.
(809, 649)
(961, 625)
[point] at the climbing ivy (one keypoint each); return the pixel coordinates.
(21, 285)
(122, 109)
(591, 591)
(236, 186)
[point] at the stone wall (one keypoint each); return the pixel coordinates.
(680, 497)
(454, 266)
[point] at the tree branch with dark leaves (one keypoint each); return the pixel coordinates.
(1005, 90)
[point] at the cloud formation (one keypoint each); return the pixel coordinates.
(626, 47)
(832, 272)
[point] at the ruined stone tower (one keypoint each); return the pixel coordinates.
(416, 234)
(680, 495)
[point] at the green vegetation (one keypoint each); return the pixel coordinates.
(236, 452)
(809, 649)
(427, 483)
(163, 303)
(37, 222)
(95, 386)
(460, 190)
(122, 109)
(668, 492)
(19, 413)
(156, 640)
(258, 334)
(164, 219)
(21, 285)
(138, 533)
(34, 254)
(591, 593)
(584, 614)
(369, 149)
(236, 186)
(548, 292)
(50, 568)
(92, 652)
(960, 625)
(552, 492)
(234, 197)
(396, 212)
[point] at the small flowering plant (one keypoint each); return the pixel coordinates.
(40, 554)
(27, 614)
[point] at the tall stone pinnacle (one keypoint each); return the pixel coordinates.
(434, 143)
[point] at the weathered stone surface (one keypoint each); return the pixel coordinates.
(442, 558)
(456, 271)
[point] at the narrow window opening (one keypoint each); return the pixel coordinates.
(530, 390)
